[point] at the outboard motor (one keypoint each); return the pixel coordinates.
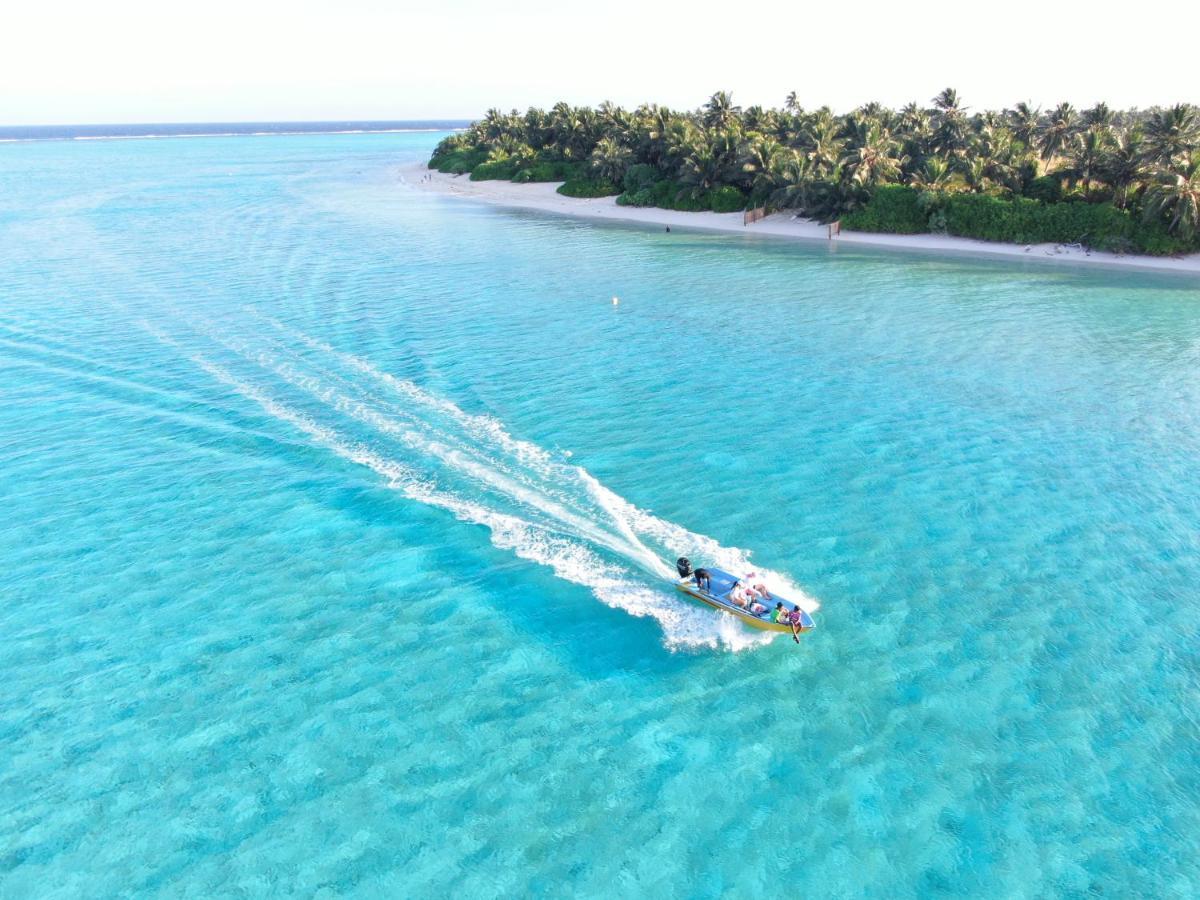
(684, 566)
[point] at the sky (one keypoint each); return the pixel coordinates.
(80, 61)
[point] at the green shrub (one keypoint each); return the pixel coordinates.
(1025, 221)
(1154, 239)
(501, 170)
(892, 209)
(726, 199)
(673, 195)
(458, 162)
(644, 197)
(588, 187)
(544, 170)
(1047, 189)
(1094, 224)
(640, 176)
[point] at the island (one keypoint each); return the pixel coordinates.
(1119, 183)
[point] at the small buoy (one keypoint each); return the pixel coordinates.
(616, 300)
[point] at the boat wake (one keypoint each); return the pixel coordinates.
(534, 502)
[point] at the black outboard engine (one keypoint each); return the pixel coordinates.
(684, 566)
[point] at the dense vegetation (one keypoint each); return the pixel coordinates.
(1123, 181)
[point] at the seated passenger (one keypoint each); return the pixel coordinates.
(703, 581)
(737, 595)
(795, 620)
(780, 616)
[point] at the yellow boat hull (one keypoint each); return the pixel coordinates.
(689, 588)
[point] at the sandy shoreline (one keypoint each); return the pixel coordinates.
(544, 198)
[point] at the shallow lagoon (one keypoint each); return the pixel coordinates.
(274, 622)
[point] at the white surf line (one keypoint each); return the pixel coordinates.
(628, 518)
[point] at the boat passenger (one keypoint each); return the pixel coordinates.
(756, 584)
(795, 620)
(737, 595)
(780, 616)
(703, 581)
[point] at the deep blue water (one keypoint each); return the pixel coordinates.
(333, 517)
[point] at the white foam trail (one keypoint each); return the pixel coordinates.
(683, 624)
(569, 560)
(485, 474)
(633, 523)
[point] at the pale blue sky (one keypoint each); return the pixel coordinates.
(164, 61)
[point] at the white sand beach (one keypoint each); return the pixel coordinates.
(544, 198)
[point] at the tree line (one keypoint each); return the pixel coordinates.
(1130, 179)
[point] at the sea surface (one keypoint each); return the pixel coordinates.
(336, 520)
(11, 133)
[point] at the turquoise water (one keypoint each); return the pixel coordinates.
(334, 517)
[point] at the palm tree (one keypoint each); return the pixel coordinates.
(1172, 133)
(947, 101)
(1125, 164)
(935, 175)
(757, 160)
(537, 128)
(792, 175)
(719, 111)
(973, 171)
(824, 148)
(610, 160)
(615, 121)
(950, 123)
(494, 124)
(700, 172)
(1023, 119)
(830, 199)
(1088, 152)
(508, 146)
(1099, 114)
(827, 164)
(1175, 198)
(1000, 155)
(680, 141)
(1057, 130)
(568, 128)
(652, 123)
(874, 160)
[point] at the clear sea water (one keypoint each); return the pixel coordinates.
(333, 519)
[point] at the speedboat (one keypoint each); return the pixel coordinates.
(717, 596)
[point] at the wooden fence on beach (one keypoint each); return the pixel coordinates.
(750, 216)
